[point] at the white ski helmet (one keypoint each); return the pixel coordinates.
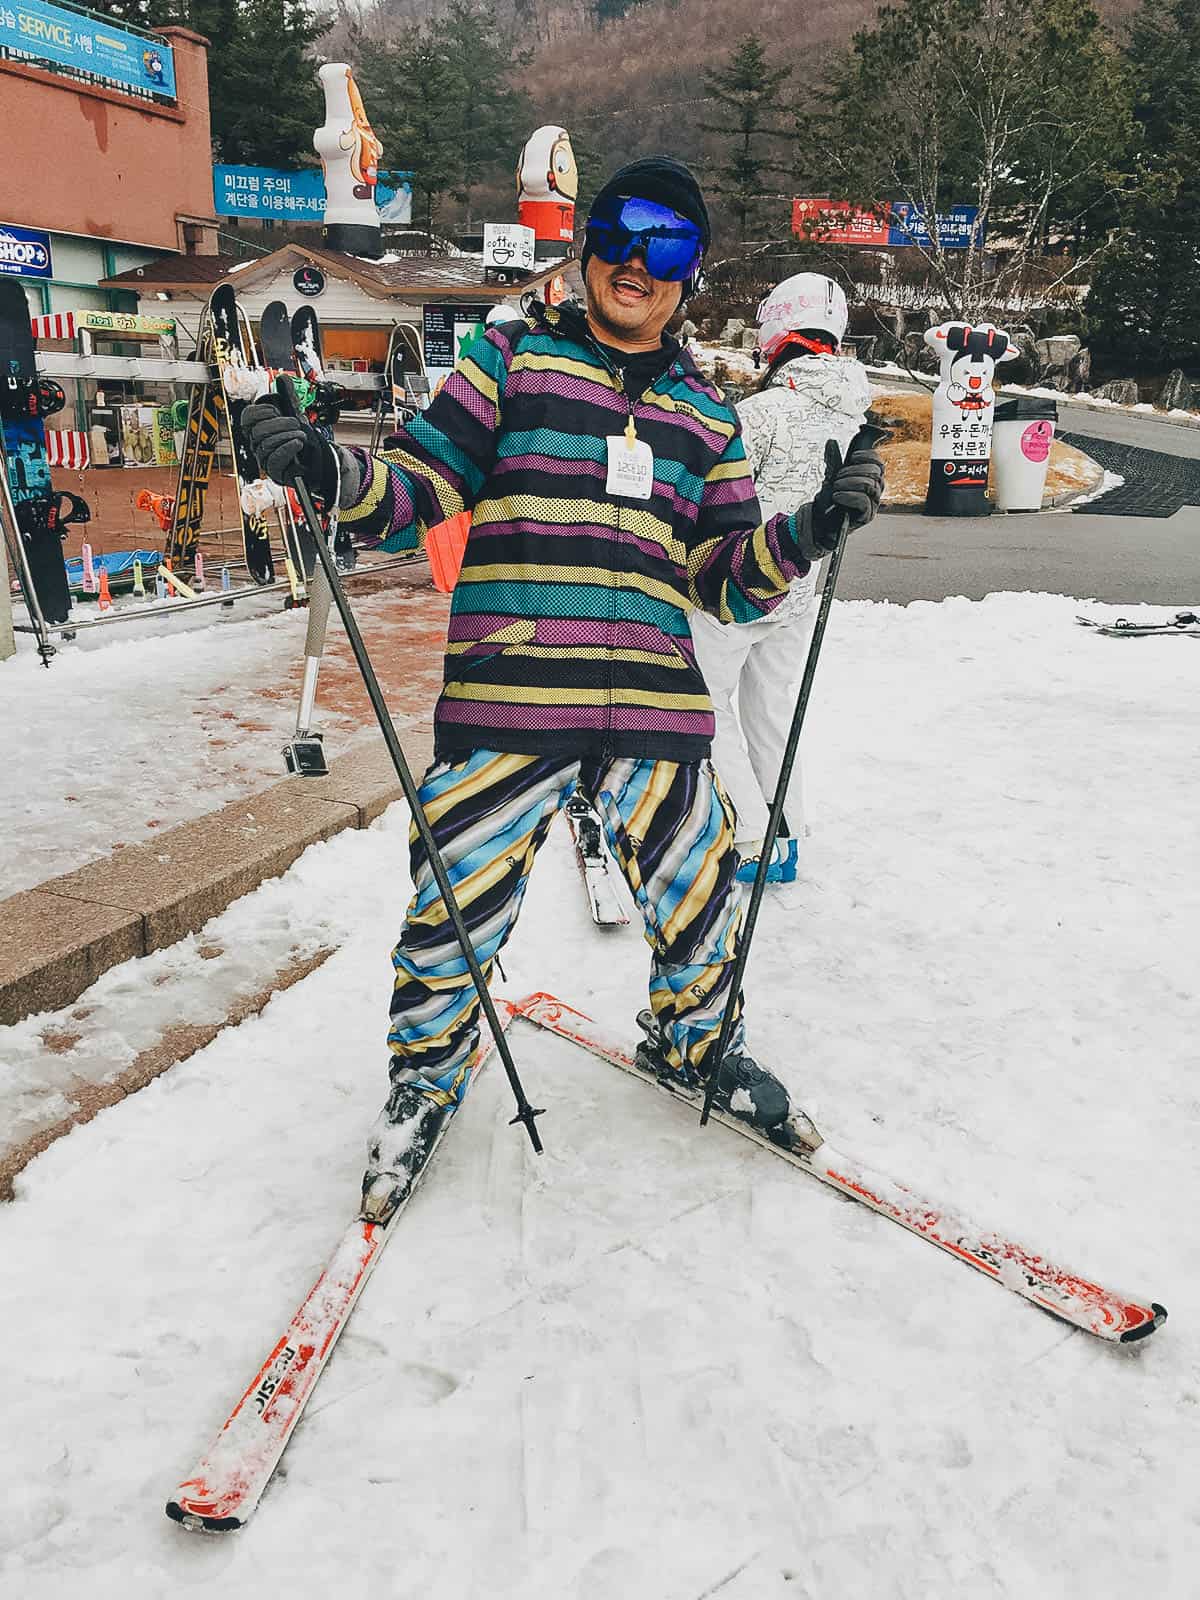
(502, 313)
(807, 300)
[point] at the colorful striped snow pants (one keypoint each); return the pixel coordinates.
(669, 828)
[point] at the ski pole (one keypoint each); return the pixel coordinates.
(867, 436)
(304, 752)
(525, 1112)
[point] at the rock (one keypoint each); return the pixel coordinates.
(1026, 367)
(1058, 377)
(1121, 391)
(1057, 351)
(733, 330)
(1079, 370)
(864, 346)
(688, 331)
(749, 338)
(920, 357)
(1176, 393)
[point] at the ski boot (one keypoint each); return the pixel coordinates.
(398, 1146)
(782, 868)
(744, 1090)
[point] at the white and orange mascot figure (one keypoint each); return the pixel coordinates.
(547, 188)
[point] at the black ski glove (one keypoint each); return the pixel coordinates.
(287, 446)
(852, 488)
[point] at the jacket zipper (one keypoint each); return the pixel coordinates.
(630, 406)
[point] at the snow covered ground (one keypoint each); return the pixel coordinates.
(124, 734)
(657, 1362)
(129, 732)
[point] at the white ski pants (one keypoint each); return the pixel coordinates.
(753, 672)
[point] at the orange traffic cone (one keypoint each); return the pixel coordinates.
(445, 546)
(104, 598)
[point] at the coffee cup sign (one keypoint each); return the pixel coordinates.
(349, 153)
(963, 406)
(547, 187)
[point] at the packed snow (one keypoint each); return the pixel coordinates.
(655, 1361)
(92, 767)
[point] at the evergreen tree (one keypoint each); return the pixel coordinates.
(264, 96)
(441, 101)
(1143, 311)
(605, 11)
(749, 92)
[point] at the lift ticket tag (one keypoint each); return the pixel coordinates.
(630, 465)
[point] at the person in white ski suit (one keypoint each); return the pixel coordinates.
(753, 669)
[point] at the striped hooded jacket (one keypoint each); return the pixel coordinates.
(569, 626)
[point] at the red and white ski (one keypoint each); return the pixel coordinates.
(223, 1490)
(1077, 1300)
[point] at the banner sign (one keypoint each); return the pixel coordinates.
(267, 192)
(893, 224)
(448, 331)
(955, 227)
(119, 324)
(102, 51)
(24, 253)
(837, 222)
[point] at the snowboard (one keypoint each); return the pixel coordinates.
(204, 411)
(38, 513)
(235, 358)
(275, 335)
(1185, 622)
(321, 402)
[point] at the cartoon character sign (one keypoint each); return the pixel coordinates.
(349, 153)
(547, 187)
(963, 406)
(152, 66)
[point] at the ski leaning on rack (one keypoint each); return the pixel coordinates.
(1086, 1305)
(226, 1486)
(37, 513)
(1185, 623)
(235, 360)
(603, 900)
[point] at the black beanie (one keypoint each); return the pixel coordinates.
(656, 178)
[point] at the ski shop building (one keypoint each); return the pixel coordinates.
(434, 299)
(107, 152)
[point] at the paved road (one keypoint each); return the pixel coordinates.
(907, 556)
(1118, 559)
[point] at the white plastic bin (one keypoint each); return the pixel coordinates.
(1022, 434)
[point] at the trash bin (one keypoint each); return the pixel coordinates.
(1022, 433)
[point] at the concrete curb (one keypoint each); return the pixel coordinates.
(57, 939)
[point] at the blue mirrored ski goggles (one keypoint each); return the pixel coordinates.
(670, 245)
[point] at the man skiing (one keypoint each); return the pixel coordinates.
(610, 497)
(810, 394)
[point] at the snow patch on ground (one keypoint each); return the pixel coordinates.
(655, 1361)
(113, 743)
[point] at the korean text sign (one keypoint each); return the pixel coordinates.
(103, 50)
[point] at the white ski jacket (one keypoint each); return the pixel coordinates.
(784, 428)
